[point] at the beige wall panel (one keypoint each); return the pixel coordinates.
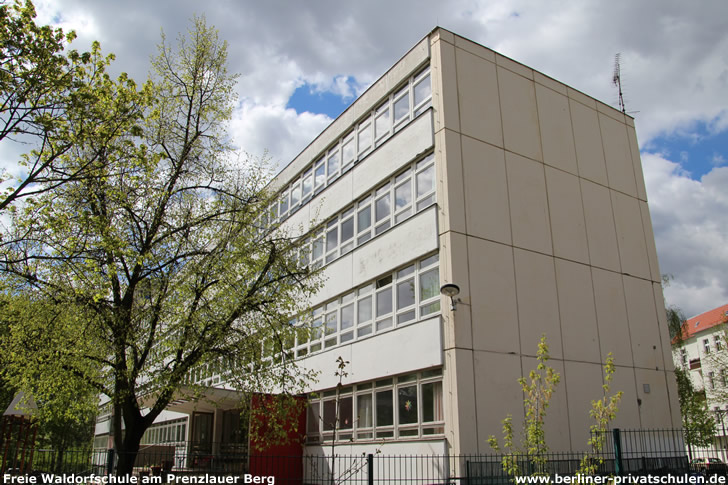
(299, 223)
(650, 241)
(636, 162)
(454, 268)
(337, 278)
(550, 83)
(628, 416)
(557, 422)
(630, 235)
(529, 204)
(444, 87)
(399, 151)
(665, 340)
(566, 212)
(577, 310)
(498, 394)
(494, 306)
(588, 140)
(655, 408)
(408, 240)
(612, 316)
(538, 311)
(459, 394)
(480, 115)
(583, 383)
(643, 324)
(618, 155)
(473, 48)
(487, 211)
(513, 66)
(450, 189)
(600, 230)
(557, 136)
(520, 115)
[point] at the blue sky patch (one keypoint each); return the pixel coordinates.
(306, 98)
(698, 151)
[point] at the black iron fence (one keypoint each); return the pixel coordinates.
(656, 452)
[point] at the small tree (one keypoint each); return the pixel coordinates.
(537, 390)
(603, 411)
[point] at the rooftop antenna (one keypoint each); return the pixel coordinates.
(617, 81)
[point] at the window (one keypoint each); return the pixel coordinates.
(392, 300)
(409, 101)
(718, 340)
(411, 191)
(711, 380)
(408, 406)
(706, 346)
(724, 377)
(684, 356)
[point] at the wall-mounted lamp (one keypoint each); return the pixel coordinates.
(451, 290)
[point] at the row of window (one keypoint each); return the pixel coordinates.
(168, 432)
(400, 197)
(407, 406)
(390, 116)
(398, 298)
(718, 342)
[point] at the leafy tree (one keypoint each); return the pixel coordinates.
(43, 92)
(155, 267)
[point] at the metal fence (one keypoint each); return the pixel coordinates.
(657, 452)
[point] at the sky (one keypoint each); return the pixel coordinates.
(302, 63)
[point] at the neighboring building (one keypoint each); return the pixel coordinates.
(461, 166)
(702, 351)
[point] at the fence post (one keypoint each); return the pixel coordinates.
(370, 469)
(617, 451)
(109, 461)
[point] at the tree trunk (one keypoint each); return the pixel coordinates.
(128, 452)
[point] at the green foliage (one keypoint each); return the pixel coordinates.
(152, 270)
(698, 423)
(537, 390)
(603, 411)
(53, 100)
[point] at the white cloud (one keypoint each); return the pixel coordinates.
(691, 231)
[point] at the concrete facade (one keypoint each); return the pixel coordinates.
(462, 166)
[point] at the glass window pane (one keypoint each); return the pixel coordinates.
(316, 329)
(407, 399)
(347, 316)
(430, 308)
(365, 138)
(363, 331)
(312, 420)
(320, 175)
(364, 310)
(349, 152)
(296, 195)
(406, 317)
(346, 412)
(332, 239)
(422, 90)
(318, 248)
(406, 271)
(329, 415)
(364, 411)
(307, 184)
(402, 196)
(384, 408)
(284, 203)
(382, 208)
(429, 284)
(333, 163)
(405, 294)
(382, 324)
(432, 402)
(347, 229)
(401, 108)
(364, 218)
(384, 302)
(425, 181)
(331, 323)
(383, 124)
